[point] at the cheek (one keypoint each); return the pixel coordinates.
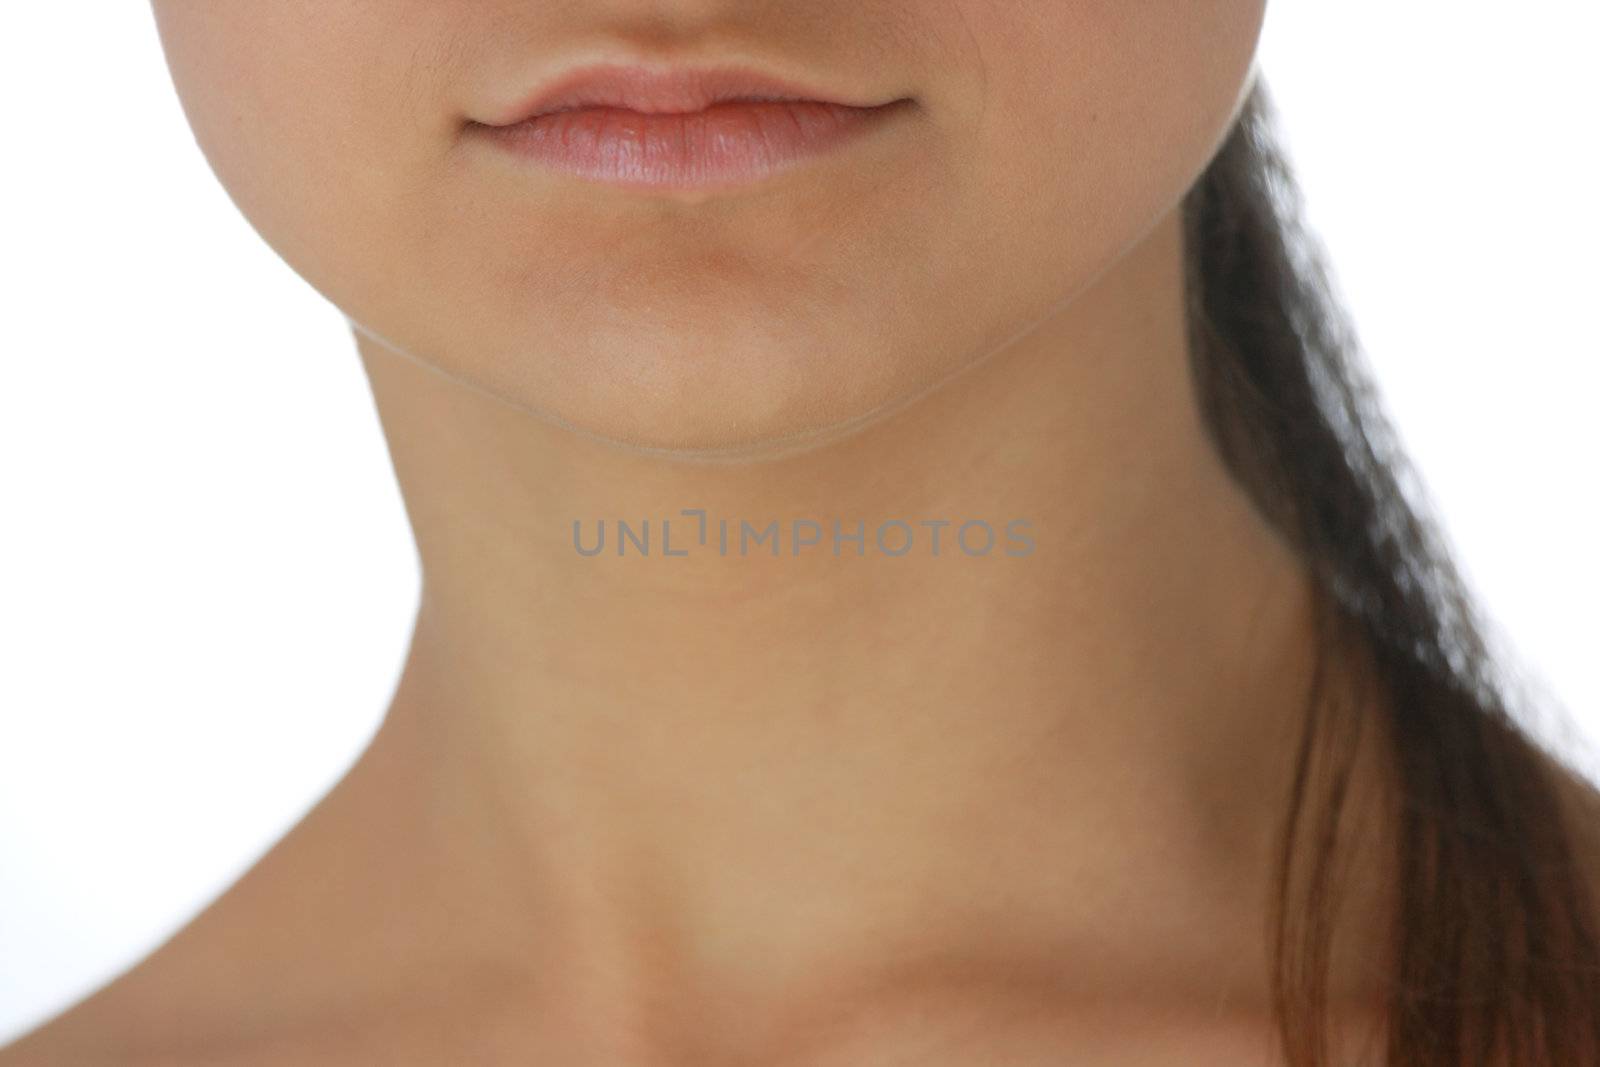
(1100, 114)
(305, 117)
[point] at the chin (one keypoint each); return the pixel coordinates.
(697, 384)
(710, 404)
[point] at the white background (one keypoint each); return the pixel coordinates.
(190, 457)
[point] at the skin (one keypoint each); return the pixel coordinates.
(743, 809)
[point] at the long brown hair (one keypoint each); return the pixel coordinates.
(1495, 955)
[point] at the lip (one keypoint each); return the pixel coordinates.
(679, 128)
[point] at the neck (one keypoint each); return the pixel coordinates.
(753, 772)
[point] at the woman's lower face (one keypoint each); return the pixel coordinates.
(1031, 144)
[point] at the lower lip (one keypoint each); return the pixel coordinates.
(727, 144)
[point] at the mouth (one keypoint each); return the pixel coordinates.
(679, 128)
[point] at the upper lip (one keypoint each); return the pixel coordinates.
(676, 89)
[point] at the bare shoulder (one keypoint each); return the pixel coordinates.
(159, 1010)
(94, 1031)
(158, 1015)
(181, 995)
